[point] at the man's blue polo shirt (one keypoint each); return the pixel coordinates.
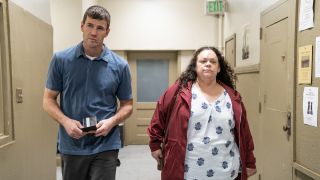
(89, 88)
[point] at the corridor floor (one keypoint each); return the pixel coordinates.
(136, 164)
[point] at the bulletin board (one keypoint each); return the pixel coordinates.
(307, 138)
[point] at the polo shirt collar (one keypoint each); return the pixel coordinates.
(103, 56)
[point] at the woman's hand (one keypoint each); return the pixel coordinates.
(157, 155)
(251, 172)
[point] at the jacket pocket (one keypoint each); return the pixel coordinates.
(171, 160)
(169, 150)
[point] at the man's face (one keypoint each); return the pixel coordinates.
(94, 32)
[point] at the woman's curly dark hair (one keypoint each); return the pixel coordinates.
(226, 74)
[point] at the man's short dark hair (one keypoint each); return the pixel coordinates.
(97, 12)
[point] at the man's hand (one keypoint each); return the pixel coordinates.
(50, 105)
(124, 111)
(104, 127)
(73, 128)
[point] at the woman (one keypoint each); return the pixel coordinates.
(208, 135)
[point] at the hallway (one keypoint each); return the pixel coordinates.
(272, 46)
(136, 164)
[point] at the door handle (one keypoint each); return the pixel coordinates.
(287, 127)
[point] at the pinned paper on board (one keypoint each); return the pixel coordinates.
(306, 15)
(305, 64)
(317, 57)
(310, 106)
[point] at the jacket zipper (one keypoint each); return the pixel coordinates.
(240, 139)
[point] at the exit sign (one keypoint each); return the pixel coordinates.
(216, 7)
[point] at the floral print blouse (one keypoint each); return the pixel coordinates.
(211, 151)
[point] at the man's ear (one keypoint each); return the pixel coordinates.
(108, 30)
(81, 26)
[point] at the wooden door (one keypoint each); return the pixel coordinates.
(277, 95)
(152, 73)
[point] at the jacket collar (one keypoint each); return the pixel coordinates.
(232, 93)
(185, 93)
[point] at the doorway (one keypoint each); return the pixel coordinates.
(152, 73)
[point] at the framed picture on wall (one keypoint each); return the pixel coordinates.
(245, 50)
(230, 50)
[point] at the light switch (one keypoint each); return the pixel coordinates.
(19, 96)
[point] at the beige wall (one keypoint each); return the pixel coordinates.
(241, 13)
(184, 58)
(32, 154)
(140, 25)
(33, 7)
(88, 3)
(165, 24)
(66, 20)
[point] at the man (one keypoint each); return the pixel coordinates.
(89, 78)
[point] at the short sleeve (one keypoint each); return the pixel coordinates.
(124, 91)
(55, 78)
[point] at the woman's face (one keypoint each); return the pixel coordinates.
(207, 65)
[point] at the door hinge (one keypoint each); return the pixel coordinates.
(260, 33)
(259, 107)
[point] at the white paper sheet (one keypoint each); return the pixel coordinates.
(317, 57)
(306, 15)
(310, 106)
